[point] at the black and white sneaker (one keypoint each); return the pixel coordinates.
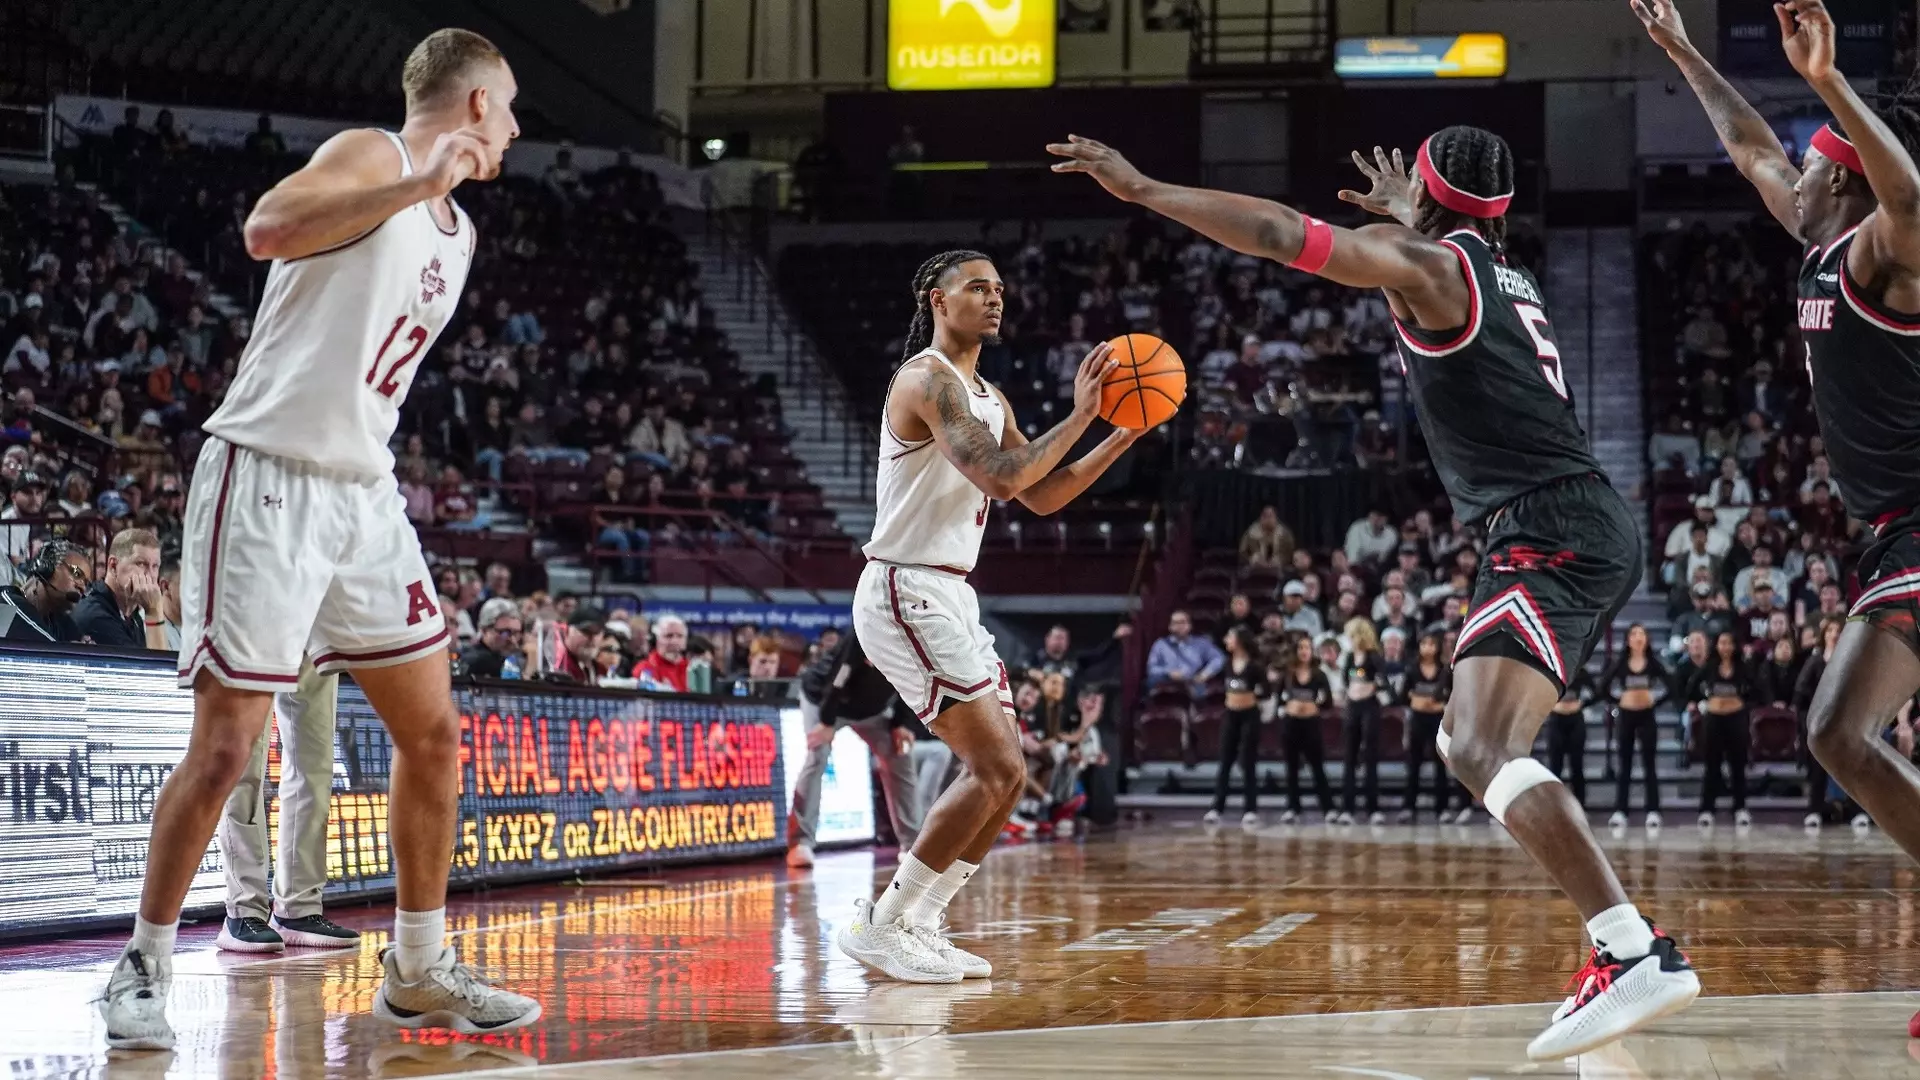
(315, 932)
(1613, 997)
(249, 935)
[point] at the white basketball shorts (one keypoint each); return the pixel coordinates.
(283, 559)
(921, 627)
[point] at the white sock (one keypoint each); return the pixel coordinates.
(1620, 932)
(419, 938)
(911, 882)
(153, 939)
(933, 906)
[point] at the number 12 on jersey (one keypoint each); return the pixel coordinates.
(416, 340)
(1535, 321)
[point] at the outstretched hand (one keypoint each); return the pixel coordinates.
(1392, 193)
(1662, 20)
(1806, 33)
(1100, 161)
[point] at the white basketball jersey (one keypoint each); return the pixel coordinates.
(339, 337)
(927, 513)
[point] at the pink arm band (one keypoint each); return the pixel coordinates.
(1317, 247)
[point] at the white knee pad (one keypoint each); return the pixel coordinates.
(1514, 778)
(1443, 742)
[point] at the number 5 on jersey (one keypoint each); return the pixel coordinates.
(1535, 321)
(416, 340)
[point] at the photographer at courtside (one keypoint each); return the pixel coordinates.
(841, 687)
(51, 583)
(257, 922)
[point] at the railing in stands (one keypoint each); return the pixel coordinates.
(807, 377)
(699, 548)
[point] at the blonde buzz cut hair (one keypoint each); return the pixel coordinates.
(442, 61)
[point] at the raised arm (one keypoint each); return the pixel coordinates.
(1376, 256)
(1061, 486)
(1755, 150)
(1893, 230)
(935, 396)
(351, 185)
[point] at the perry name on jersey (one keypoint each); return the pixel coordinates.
(340, 336)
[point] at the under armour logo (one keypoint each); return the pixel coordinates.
(273, 502)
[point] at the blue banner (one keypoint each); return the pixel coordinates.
(806, 620)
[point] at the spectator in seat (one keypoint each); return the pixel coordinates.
(1296, 614)
(1730, 488)
(76, 493)
(265, 142)
(13, 462)
(417, 493)
(1183, 658)
(170, 612)
(1822, 516)
(659, 439)
(29, 357)
(1674, 447)
(129, 138)
(123, 610)
(1746, 582)
(453, 502)
(1698, 555)
(1806, 595)
(1370, 539)
(620, 531)
(665, 668)
(1718, 538)
(1760, 395)
(593, 430)
(1703, 619)
(28, 499)
(1267, 543)
(1819, 471)
(491, 438)
(562, 178)
(1750, 625)
(52, 581)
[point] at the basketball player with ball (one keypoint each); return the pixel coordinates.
(949, 446)
(1563, 553)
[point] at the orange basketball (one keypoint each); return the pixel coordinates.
(1148, 386)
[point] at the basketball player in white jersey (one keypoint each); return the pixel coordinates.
(949, 447)
(297, 542)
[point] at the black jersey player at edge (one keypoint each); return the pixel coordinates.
(1563, 552)
(1855, 203)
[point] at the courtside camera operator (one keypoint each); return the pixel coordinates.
(51, 583)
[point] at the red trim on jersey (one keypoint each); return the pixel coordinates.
(1885, 321)
(213, 654)
(939, 684)
(893, 598)
(339, 656)
(213, 548)
(1444, 193)
(1515, 607)
(1890, 517)
(1467, 331)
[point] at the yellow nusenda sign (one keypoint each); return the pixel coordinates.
(969, 44)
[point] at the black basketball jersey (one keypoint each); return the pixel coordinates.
(1493, 402)
(1864, 362)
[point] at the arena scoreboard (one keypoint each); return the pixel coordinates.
(553, 780)
(970, 44)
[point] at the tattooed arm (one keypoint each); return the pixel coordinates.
(1061, 486)
(936, 397)
(1755, 150)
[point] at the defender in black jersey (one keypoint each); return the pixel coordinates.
(1485, 375)
(1856, 204)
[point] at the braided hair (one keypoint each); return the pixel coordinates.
(1476, 161)
(925, 280)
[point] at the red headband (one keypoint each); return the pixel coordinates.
(1453, 198)
(1835, 145)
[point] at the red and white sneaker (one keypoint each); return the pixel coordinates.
(1613, 997)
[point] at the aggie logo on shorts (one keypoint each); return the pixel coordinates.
(419, 606)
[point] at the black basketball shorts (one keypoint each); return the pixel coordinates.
(1889, 576)
(1561, 562)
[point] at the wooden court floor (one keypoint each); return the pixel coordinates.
(1156, 951)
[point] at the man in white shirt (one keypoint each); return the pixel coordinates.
(1718, 539)
(1370, 539)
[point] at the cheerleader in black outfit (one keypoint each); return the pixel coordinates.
(1721, 694)
(1304, 692)
(1636, 684)
(1424, 689)
(1247, 684)
(1567, 735)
